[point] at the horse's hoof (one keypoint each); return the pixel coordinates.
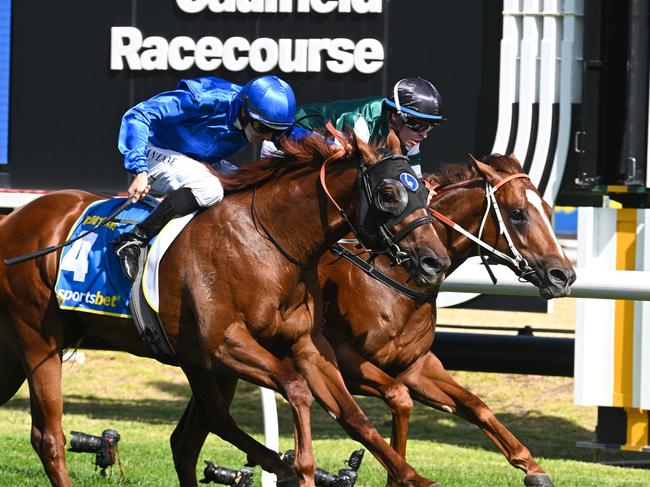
(290, 482)
(538, 480)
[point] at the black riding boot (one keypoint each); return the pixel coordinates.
(128, 246)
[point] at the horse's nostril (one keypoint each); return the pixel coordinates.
(558, 275)
(432, 264)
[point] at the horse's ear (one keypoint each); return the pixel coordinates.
(513, 157)
(367, 152)
(487, 171)
(393, 143)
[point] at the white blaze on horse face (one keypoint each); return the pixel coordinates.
(535, 200)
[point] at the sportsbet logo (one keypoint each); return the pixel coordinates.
(96, 298)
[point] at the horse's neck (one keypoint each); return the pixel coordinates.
(466, 207)
(298, 214)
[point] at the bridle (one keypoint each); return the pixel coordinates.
(519, 263)
(386, 232)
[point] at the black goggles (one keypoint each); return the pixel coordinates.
(419, 126)
(262, 128)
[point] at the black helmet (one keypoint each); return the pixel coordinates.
(416, 98)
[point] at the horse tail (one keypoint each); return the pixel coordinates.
(12, 374)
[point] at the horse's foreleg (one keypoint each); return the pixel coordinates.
(12, 375)
(190, 434)
(432, 385)
(315, 359)
(43, 366)
(243, 355)
(186, 442)
(210, 409)
(250, 361)
(365, 378)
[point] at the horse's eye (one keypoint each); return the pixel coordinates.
(517, 214)
(391, 197)
(388, 196)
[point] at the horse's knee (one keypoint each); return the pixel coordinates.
(297, 392)
(176, 444)
(305, 466)
(480, 410)
(355, 422)
(49, 446)
(36, 439)
(398, 398)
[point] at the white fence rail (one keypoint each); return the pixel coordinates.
(598, 284)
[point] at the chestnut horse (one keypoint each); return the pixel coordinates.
(383, 341)
(239, 292)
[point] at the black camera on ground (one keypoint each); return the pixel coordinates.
(103, 446)
(226, 476)
(346, 477)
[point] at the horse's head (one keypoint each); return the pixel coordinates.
(393, 215)
(526, 232)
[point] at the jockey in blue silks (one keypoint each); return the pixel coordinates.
(167, 139)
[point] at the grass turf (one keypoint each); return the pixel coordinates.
(143, 399)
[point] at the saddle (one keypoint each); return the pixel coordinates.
(90, 279)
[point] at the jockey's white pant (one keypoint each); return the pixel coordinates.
(170, 170)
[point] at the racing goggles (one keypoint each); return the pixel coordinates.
(420, 126)
(262, 128)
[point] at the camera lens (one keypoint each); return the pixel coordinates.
(224, 475)
(324, 478)
(81, 442)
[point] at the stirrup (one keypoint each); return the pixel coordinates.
(128, 248)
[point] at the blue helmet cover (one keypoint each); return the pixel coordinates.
(269, 100)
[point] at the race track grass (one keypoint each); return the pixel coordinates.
(143, 399)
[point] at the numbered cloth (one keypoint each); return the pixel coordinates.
(90, 278)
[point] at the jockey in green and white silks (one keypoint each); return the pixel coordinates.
(167, 140)
(411, 109)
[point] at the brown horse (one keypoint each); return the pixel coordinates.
(233, 300)
(383, 341)
(383, 348)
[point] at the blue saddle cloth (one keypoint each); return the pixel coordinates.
(90, 278)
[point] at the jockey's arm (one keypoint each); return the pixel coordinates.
(139, 121)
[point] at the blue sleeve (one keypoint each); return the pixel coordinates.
(171, 106)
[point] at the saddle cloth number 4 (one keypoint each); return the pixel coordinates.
(76, 258)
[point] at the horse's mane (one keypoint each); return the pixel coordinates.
(306, 153)
(451, 173)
